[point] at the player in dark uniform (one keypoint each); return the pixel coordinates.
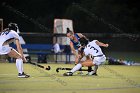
(75, 44)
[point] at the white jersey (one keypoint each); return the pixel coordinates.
(6, 36)
(93, 49)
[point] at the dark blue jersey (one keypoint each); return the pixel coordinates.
(76, 44)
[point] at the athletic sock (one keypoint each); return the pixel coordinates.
(89, 69)
(77, 67)
(95, 68)
(19, 65)
(80, 68)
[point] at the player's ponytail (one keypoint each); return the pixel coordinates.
(13, 26)
(69, 31)
(83, 41)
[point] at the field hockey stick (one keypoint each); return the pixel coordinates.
(40, 66)
(57, 69)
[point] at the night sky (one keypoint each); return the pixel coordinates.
(30, 14)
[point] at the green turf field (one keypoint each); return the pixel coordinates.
(111, 79)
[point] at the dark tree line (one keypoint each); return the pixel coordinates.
(87, 15)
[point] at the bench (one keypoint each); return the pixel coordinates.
(42, 50)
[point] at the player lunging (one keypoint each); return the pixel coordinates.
(90, 48)
(75, 44)
(8, 36)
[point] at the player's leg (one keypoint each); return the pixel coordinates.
(90, 62)
(94, 72)
(97, 61)
(87, 63)
(77, 60)
(19, 63)
(89, 68)
(13, 53)
(78, 66)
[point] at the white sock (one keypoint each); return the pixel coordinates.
(77, 67)
(95, 69)
(19, 65)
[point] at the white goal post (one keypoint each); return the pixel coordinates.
(1, 24)
(60, 27)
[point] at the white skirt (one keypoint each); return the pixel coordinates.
(5, 49)
(99, 60)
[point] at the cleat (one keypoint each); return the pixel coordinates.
(95, 74)
(91, 73)
(68, 74)
(23, 75)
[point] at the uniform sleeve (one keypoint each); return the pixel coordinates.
(94, 41)
(15, 35)
(86, 51)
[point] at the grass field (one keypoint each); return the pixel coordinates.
(110, 79)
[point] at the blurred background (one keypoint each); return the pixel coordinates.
(116, 22)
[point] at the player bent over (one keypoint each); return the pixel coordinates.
(90, 48)
(8, 36)
(75, 44)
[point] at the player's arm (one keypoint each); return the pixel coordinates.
(82, 36)
(19, 49)
(101, 44)
(73, 49)
(80, 52)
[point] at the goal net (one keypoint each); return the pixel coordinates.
(60, 27)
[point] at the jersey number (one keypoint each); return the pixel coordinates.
(91, 47)
(5, 32)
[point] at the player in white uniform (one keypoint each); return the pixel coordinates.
(8, 36)
(74, 45)
(90, 48)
